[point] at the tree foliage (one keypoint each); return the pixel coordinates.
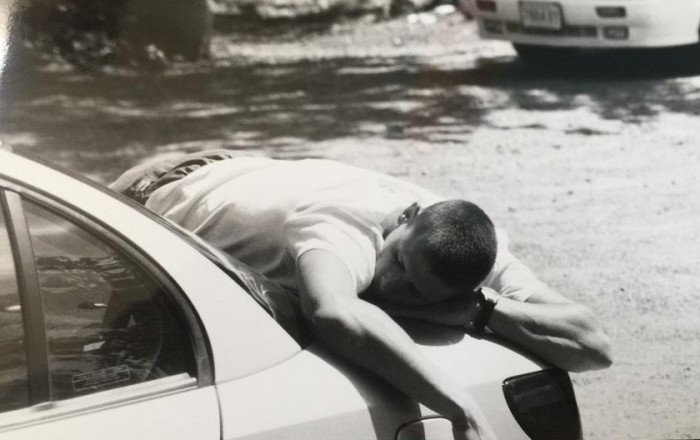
(94, 33)
(150, 33)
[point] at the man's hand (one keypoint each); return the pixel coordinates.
(472, 424)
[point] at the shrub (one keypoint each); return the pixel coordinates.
(93, 33)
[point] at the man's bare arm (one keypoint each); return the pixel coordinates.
(559, 330)
(365, 335)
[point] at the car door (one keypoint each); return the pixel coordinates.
(95, 342)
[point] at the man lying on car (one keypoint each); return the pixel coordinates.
(359, 246)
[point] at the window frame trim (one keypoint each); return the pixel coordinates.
(31, 303)
(203, 357)
(51, 411)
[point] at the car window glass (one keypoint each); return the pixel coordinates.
(108, 323)
(14, 390)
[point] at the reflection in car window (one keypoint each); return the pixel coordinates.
(108, 323)
(14, 390)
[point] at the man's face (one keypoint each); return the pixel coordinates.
(402, 274)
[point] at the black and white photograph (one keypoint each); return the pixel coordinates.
(350, 219)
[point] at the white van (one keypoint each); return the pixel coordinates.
(549, 29)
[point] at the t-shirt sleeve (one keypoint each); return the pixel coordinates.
(509, 276)
(337, 231)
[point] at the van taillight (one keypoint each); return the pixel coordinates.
(544, 405)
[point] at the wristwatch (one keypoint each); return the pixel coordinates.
(486, 304)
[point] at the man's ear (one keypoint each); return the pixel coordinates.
(409, 213)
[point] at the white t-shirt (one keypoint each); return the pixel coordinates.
(267, 213)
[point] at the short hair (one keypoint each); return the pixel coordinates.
(458, 240)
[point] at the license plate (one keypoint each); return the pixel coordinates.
(541, 15)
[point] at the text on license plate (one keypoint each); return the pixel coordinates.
(541, 15)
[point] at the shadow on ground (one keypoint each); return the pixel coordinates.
(100, 124)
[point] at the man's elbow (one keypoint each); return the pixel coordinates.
(597, 353)
(596, 349)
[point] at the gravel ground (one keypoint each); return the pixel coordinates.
(594, 172)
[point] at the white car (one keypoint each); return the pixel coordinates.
(116, 324)
(542, 29)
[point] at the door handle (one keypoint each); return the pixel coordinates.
(433, 428)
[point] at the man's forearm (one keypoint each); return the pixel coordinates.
(565, 334)
(367, 336)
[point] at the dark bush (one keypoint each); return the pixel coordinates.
(94, 33)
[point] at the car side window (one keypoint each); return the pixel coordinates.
(108, 322)
(14, 389)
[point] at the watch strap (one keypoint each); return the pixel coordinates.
(487, 306)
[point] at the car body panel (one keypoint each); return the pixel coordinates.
(310, 397)
(106, 416)
(651, 23)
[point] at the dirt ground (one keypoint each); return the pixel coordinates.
(593, 171)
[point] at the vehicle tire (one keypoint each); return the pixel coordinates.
(547, 56)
